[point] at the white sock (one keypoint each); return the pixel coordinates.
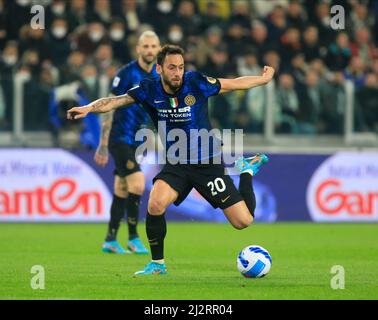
(248, 171)
(158, 261)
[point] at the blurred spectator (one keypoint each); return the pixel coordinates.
(247, 63)
(160, 15)
(276, 24)
(235, 39)
(78, 14)
(57, 10)
(60, 45)
(188, 18)
(21, 10)
(176, 34)
(9, 59)
(89, 82)
(262, 9)
(218, 64)
(101, 12)
(311, 105)
(36, 40)
(259, 38)
(296, 17)
(359, 17)
(250, 116)
(367, 102)
(3, 25)
(334, 103)
(131, 15)
(240, 14)
(363, 46)
(85, 41)
(71, 71)
(310, 44)
(290, 45)
(118, 40)
(288, 102)
(213, 38)
(322, 20)
(212, 17)
(356, 72)
(36, 97)
(88, 38)
(339, 53)
(32, 61)
(374, 66)
(8, 67)
(103, 58)
(298, 69)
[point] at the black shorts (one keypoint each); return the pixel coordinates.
(210, 180)
(124, 159)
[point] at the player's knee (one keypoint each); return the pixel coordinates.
(137, 189)
(243, 223)
(156, 206)
(121, 193)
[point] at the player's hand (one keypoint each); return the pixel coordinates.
(268, 73)
(78, 112)
(101, 156)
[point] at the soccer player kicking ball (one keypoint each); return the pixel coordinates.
(179, 100)
(118, 136)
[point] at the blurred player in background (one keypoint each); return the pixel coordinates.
(179, 99)
(118, 136)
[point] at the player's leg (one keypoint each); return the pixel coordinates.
(135, 186)
(162, 195)
(249, 167)
(170, 186)
(239, 215)
(117, 212)
(219, 190)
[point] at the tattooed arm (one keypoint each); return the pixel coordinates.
(102, 154)
(100, 106)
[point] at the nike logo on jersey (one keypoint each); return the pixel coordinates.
(225, 199)
(159, 101)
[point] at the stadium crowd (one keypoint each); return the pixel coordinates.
(88, 40)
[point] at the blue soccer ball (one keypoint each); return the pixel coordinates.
(254, 262)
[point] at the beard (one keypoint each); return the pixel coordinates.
(148, 59)
(174, 86)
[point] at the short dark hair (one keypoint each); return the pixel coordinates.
(168, 50)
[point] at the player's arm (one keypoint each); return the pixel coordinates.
(100, 106)
(247, 82)
(102, 154)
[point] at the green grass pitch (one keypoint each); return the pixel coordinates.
(201, 262)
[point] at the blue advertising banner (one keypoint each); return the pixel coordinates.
(280, 189)
(55, 185)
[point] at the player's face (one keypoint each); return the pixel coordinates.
(148, 49)
(172, 71)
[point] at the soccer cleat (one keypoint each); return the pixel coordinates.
(136, 246)
(252, 164)
(113, 247)
(152, 268)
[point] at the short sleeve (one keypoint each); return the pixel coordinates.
(119, 84)
(209, 86)
(138, 93)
